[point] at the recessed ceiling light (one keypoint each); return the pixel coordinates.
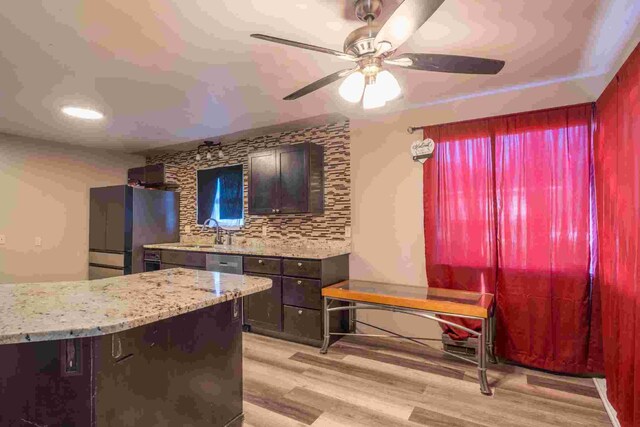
(83, 113)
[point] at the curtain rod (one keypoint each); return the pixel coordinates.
(412, 129)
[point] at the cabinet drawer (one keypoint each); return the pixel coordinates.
(190, 259)
(302, 292)
(261, 265)
(302, 268)
(303, 322)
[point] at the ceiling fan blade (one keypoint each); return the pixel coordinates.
(301, 45)
(446, 63)
(320, 83)
(405, 21)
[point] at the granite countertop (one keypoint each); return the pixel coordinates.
(61, 310)
(267, 250)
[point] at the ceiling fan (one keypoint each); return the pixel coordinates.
(372, 47)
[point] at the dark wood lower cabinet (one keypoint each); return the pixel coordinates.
(297, 294)
(186, 370)
(307, 324)
(264, 309)
(303, 322)
(292, 308)
(184, 259)
(300, 292)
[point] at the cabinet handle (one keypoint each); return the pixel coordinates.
(299, 264)
(260, 261)
(299, 311)
(274, 210)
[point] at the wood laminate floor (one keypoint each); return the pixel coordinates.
(381, 382)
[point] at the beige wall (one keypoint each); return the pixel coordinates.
(387, 222)
(44, 192)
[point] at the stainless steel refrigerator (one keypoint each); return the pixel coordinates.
(121, 220)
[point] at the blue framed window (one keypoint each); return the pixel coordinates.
(221, 195)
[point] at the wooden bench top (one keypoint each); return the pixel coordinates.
(438, 300)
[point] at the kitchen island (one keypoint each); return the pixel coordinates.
(160, 348)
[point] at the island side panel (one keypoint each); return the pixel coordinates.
(35, 388)
(186, 370)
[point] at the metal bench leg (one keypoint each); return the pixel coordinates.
(352, 318)
(491, 337)
(325, 324)
(482, 359)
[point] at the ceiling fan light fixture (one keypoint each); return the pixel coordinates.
(351, 88)
(388, 85)
(374, 46)
(373, 97)
(401, 28)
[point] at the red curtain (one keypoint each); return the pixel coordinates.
(507, 210)
(459, 217)
(617, 159)
(543, 192)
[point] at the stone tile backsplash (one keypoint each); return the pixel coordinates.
(301, 228)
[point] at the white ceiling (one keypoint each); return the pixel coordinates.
(167, 72)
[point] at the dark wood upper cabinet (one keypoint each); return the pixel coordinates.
(149, 175)
(294, 179)
(287, 179)
(263, 182)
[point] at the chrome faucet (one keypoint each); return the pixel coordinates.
(218, 238)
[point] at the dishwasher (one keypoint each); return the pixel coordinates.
(228, 264)
(224, 263)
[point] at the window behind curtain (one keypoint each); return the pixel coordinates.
(507, 205)
(221, 195)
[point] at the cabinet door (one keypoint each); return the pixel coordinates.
(264, 309)
(108, 225)
(118, 231)
(154, 174)
(293, 162)
(136, 174)
(97, 220)
(263, 182)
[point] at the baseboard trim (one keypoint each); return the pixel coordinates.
(601, 386)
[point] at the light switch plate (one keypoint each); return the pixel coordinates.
(187, 229)
(38, 241)
(3, 239)
(347, 231)
(264, 230)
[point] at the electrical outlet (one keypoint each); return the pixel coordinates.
(264, 230)
(3, 239)
(347, 231)
(38, 241)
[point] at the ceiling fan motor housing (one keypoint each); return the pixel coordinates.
(368, 10)
(360, 41)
